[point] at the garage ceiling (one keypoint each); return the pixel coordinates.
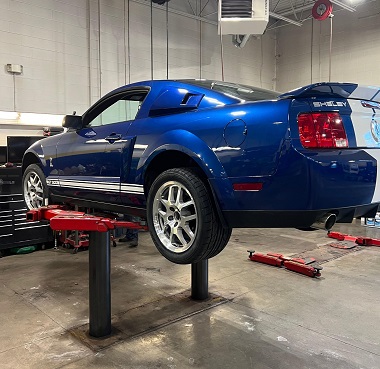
(282, 12)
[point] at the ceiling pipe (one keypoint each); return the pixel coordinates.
(240, 40)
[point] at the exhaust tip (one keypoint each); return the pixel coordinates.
(330, 221)
(326, 222)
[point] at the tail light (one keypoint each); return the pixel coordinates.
(322, 129)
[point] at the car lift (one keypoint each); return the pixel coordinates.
(361, 241)
(99, 260)
(307, 266)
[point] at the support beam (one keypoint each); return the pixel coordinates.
(174, 11)
(285, 19)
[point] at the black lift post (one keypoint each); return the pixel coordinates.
(100, 284)
(100, 263)
(199, 280)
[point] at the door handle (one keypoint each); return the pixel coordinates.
(113, 137)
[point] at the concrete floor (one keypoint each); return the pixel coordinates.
(259, 317)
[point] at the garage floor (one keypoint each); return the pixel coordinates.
(258, 317)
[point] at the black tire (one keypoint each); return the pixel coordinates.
(182, 219)
(34, 187)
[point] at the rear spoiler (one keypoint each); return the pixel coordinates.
(334, 89)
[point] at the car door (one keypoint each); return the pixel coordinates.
(90, 161)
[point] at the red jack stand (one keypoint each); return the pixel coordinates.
(307, 267)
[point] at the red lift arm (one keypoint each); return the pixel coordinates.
(62, 219)
(361, 241)
(307, 267)
(67, 220)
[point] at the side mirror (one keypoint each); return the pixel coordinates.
(72, 121)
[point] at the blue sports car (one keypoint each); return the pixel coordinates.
(197, 158)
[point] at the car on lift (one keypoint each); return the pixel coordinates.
(197, 158)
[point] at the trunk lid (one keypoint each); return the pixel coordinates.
(359, 107)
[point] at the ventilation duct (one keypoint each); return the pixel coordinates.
(241, 17)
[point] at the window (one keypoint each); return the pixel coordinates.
(241, 92)
(245, 92)
(119, 108)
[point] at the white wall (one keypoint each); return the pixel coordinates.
(57, 42)
(355, 49)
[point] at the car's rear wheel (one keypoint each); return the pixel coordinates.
(182, 219)
(34, 187)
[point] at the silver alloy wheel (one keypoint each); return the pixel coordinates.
(175, 217)
(33, 190)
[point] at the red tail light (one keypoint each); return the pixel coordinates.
(323, 129)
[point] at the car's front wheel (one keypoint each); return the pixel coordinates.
(182, 218)
(34, 187)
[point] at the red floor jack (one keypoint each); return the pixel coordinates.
(77, 240)
(307, 266)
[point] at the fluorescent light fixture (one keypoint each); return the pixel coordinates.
(9, 115)
(33, 119)
(50, 120)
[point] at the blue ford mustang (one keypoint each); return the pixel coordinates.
(197, 158)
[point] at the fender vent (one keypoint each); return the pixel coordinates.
(237, 9)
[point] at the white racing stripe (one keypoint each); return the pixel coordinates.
(132, 188)
(365, 93)
(91, 185)
(375, 153)
(365, 122)
(96, 186)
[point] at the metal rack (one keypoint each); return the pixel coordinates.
(15, 231)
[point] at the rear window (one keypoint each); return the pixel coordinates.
(242, 92)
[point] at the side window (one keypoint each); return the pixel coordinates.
(121, 110)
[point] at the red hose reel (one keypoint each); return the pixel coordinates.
(322, 9)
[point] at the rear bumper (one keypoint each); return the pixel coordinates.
(305, 182)
(293, 219)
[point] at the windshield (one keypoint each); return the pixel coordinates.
(242, 92)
